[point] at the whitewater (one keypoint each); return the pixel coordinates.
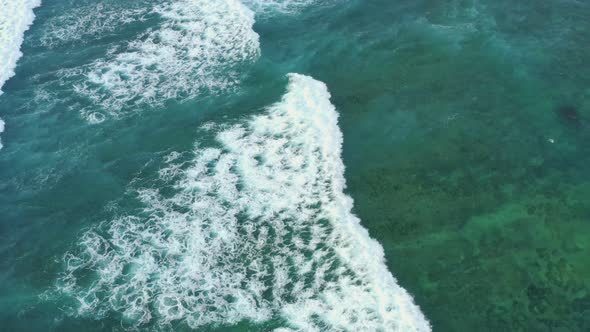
(15, 18)
(294, 165)
(193, 48)
(251, 225)
(258, 227)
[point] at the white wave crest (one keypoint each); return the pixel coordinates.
(197, 46)
(16, 16)
(258, 228)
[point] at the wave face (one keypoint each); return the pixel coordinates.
(15, 18)
(257, 227)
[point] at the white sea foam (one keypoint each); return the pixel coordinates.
(15, 18)
(258, 227)
(87, 22)
(277, 6)
(1, 131)
(197, 46)
(193, 47)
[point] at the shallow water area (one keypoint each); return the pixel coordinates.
(459, 161)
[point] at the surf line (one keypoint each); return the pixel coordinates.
(259, 227)
(16, 16)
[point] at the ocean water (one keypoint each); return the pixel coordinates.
(303, 165)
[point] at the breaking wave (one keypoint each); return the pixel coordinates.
(193, 48)
(15, 18)
(254, 227)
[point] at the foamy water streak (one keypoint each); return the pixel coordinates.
(192, 48)
(1, 131)
(258, 227)
(277, 6)
(15, 18)
(87, 23)
(197, 46)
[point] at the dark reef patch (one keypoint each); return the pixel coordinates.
(569, 114)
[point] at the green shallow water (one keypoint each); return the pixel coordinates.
(458, 163)
(447, 122)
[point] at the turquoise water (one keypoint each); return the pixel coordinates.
(464, 127)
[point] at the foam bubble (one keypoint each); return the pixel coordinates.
(254, 227)
(15, 18)
(198, 46)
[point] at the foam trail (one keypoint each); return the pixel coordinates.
(89, 22)
(16, 16)
(257, 228)
(277, 6)
(192, 47)
(198, 46)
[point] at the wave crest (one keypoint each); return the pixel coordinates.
(257, 227)
(15, 18)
